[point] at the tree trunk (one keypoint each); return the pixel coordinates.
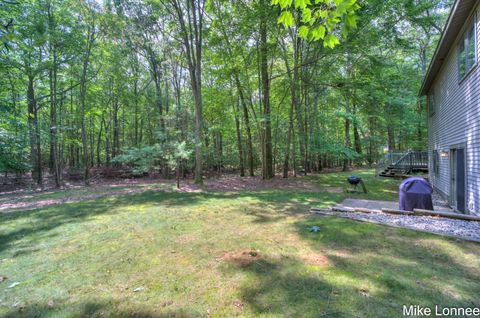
(192, 41)
(239, 141)
(391, 138)
(347, 142)
(289, 141)
(356, 139)
(107, 144)
(116, 132)
(135, 92)
(246, 119)
(83, 93)
(99, 142)
(92, 141)
(54, 161)
(267, 127)
(243, 101)
(156, 74)
(34, 132)
(297, 104)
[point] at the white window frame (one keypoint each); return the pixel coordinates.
(466, 44)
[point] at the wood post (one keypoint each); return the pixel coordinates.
(450, 215)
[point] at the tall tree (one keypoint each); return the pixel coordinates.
(189, 14)
(267, 171)
(90, 35)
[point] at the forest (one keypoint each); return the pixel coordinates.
(216, 158)
(196, 88)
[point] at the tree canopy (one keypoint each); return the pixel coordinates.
(195, 88)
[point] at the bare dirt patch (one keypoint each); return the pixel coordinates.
(19, 203)
(242, 258)
(316, 260)
(238, 305)
(185, 239)
(236, 184)
(26, 199)
(363, 291)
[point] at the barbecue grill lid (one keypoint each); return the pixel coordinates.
(354, 179)
(416, 185)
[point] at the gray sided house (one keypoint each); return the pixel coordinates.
(452, 87)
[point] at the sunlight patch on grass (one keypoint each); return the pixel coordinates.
(90, 257)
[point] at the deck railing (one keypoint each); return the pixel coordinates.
(388, 160)
(412, 160)
(407, 162)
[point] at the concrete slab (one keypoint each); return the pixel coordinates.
(378, 205)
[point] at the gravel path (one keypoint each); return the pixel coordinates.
(469, 230)
(438, 199)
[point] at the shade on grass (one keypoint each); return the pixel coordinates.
(87, 259)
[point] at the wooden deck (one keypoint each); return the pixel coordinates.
(396, 165)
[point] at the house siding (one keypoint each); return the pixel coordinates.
(456, 121)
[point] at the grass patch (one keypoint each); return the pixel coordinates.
(158, 254)
(378, 188)
(31, 196)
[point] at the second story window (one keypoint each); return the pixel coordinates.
(467, 51)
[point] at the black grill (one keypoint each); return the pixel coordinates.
(354, 180)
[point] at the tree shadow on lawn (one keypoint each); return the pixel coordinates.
(94, 309)
(274, 206)
(372, 271)
(279, 286)
(33, 225)
(401, 266)
(379, 188)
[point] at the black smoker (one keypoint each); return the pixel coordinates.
(355, 181)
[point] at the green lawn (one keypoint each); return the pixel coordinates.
(184, 252)
(378, 188)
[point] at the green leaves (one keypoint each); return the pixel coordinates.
(286, 18)
(319, 33)
(282, 3)
(331, 41)
(10, 36)
(322, 20)
(307, 15)
(301, 4)
(351, 20)
(303, 32)
(209, 5)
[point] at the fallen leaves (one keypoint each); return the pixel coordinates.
(364, 292)
(238, 304)
(242, 258)
(316, 260)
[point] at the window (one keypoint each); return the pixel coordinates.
(431, 103)
(467, 51)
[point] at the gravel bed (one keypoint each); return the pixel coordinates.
(462, 229)
(438, 200)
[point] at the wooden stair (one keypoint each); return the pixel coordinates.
(401, 165)
(393, 172)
